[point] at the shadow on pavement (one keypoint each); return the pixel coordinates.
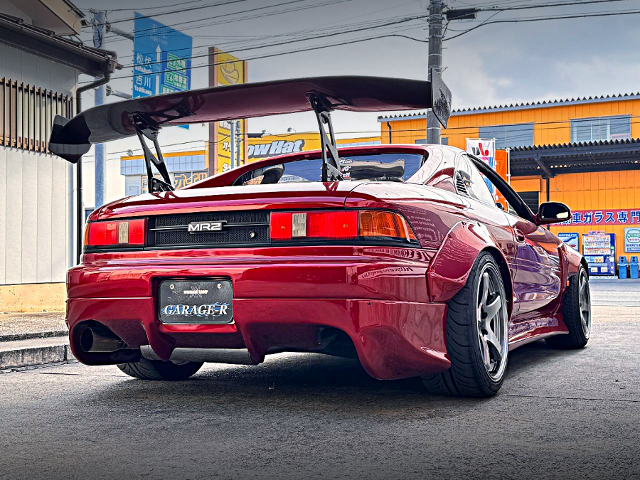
(302, 383)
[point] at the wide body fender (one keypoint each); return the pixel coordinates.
(450, 267)
(574, 260)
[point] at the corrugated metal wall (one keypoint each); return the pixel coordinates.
(34, 187)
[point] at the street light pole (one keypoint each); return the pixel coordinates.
(435, 62)
(98, 23)
(238, 142)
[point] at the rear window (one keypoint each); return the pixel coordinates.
(386, 166)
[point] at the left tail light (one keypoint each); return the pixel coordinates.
(121, 233)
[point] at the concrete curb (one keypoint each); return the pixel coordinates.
(28, 353)
(16, 337)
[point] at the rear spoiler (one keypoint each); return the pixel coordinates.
(70, 139)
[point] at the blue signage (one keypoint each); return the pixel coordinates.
(570, 239)
(161, 58)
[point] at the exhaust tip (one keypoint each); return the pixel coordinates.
(93, 340)
(86, 339)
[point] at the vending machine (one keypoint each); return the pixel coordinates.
(599, 249)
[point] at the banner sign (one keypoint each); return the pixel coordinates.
(161, 58)
(604, 217)
(632, 240)
(485, 150)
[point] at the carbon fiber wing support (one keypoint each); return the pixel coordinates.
(330, 158)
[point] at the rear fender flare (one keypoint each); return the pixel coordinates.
(454, 260)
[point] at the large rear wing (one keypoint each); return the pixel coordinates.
(70, 139)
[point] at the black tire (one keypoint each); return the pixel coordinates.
(156, 370)
(468, 376)
(575, 306)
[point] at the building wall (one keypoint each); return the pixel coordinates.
(552, 123)
(34, 188)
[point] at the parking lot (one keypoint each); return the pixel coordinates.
(559, 414)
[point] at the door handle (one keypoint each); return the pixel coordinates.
(520, 237)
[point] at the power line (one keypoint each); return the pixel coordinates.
(542, 19)
(151, 8)
(184, 10)
(259, 57)
(299, 35)
(139, 33)
(314, 37)
(547, 5)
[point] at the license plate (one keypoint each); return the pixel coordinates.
(196, 301)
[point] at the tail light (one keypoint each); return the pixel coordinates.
(341, 225)
(122, 232)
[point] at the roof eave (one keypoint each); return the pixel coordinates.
(46, 44)
(518, 107)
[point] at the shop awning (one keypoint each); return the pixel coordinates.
(551, 160)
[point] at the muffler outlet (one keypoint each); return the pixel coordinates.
(97, 341)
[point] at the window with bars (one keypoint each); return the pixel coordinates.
(27, 112)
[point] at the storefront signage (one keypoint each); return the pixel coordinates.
(277, 147)
(571, 239)
(632, 240)
(604, 217)
(599, 249)
(161, 58)
(182, 179)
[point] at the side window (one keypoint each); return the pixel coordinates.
(470, 182)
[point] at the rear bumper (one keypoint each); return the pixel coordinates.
(379, 301)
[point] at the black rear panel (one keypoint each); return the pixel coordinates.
(237, 229)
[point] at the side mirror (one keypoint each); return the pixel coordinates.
(552, 212)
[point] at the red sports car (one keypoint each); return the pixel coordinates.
(397, 255)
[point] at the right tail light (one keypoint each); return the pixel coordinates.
(341, 225)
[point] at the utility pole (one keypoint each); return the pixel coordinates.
(435, 62)
(436, 18)
(98, 21)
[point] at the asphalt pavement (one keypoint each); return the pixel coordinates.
(560, 414)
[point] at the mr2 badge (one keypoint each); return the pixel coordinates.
(200, 227)
(195, 301)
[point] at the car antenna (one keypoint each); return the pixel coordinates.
(147, 128)
(330, 168)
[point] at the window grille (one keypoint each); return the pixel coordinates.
(26, 114)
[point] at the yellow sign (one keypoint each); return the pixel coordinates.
(229, 70)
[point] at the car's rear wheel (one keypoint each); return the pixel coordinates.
(477, 335)
(156, 370)
(576, 312)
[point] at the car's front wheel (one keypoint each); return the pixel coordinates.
(477, 335)
(157, 370)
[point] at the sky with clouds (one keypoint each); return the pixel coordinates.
(495, 64)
